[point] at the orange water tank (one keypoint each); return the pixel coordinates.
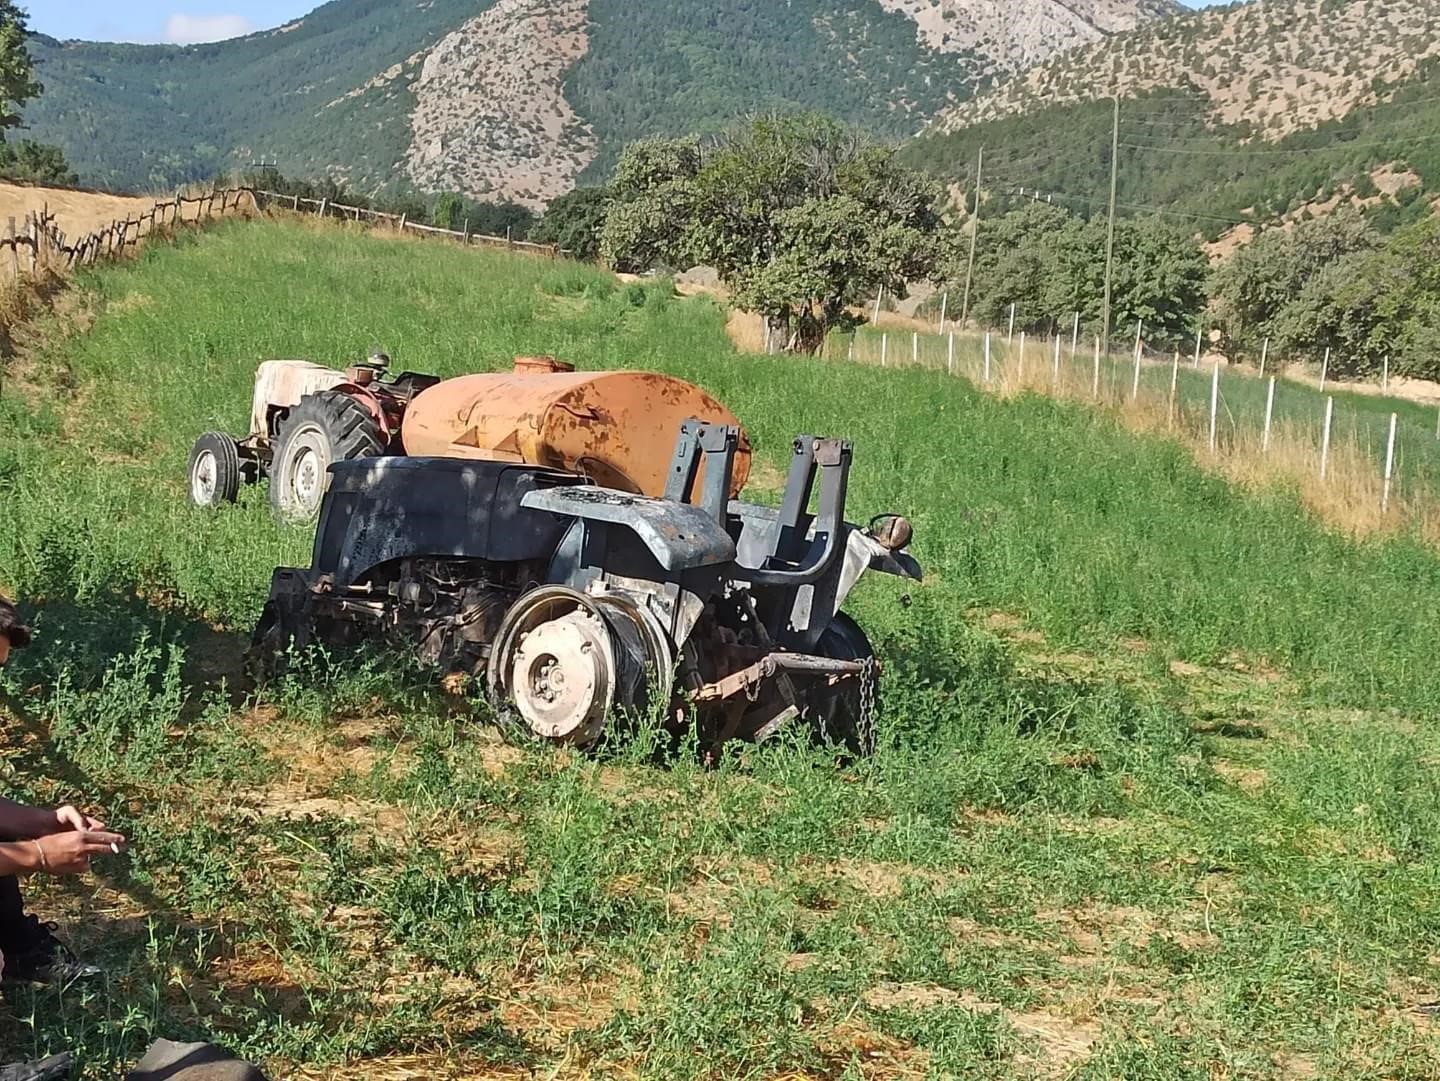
(617, 428)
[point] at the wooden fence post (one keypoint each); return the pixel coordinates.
(1095, 382)
(1010, 335)
(324, 203)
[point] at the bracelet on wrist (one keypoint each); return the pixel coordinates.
(44, 860)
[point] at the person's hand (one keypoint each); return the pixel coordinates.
(69, 818)
(69, 853)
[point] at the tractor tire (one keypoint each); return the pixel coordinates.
(846, 714)
(321, 430)
(214, 472)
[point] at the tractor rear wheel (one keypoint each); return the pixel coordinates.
(322, 429)
(845, 713)
(214, 472)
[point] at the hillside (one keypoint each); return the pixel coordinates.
(1272, 67)
(1154, 795)
(520, 98)
(1242, 114)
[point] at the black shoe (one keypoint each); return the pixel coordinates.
(53, 1068)
(44, 959)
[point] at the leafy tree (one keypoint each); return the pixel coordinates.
(654, 198)
(801, 217)
(449, 212)
(573, 222)
(1369, 304)
(1050, 264)
(26, 160)
(17, 70)
(1255, 285)
(35, 163)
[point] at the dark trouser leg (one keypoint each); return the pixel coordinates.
(13, 926)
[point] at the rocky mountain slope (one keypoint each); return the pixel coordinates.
(519, 99)
(1266, 112)
(1278, 67)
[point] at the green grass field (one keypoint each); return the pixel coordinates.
(1156, 794)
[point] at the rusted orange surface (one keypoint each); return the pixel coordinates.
(618, 428)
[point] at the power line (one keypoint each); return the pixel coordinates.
(1098, 200)
(1247, 152)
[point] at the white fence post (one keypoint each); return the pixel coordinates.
(915, 347)
(1174, 385)
(1269, 415)
(1075, 337)
(1324, 369)
(884, 348)
(1389, 466)
(1264, 356)
(1135, 386)
(1385, 376)
(1197, 346)
(1095, 384)
(987, 356)
(1056, 378)
(850, 352)
(1214, 404)
(1325, 440)
(944, 304)
(1139, 327)
(950, 354)
(1010, 334)
(1021, 374)
(878, 297)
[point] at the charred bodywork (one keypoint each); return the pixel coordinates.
(576, 600)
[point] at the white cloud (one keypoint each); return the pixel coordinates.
(194, 29)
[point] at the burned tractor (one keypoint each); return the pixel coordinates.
(552, 548)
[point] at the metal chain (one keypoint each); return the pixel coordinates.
(869, 682)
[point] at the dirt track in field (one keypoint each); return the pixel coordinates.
(78, 212)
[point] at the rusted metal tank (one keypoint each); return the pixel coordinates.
(617, 428)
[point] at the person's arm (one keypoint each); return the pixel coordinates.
(19, 858)
(20, 821)
(67, 853)
(24, 823)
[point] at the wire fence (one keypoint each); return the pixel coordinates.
(325, 208)
(1355, 445)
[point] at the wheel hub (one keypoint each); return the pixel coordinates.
(202, 482)
(563, 677)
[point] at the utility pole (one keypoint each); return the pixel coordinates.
(1110, 237)
(974, 236)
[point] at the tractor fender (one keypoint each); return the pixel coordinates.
(679, 536)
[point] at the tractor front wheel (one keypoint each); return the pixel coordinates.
(321, 430)
(214, 472)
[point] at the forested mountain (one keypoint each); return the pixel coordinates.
(520, 98)
(1280, 109)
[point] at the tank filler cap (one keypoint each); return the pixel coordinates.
(541, 366)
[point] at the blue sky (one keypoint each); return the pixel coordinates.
(179, 21)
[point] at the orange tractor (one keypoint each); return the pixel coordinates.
(573, 537)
